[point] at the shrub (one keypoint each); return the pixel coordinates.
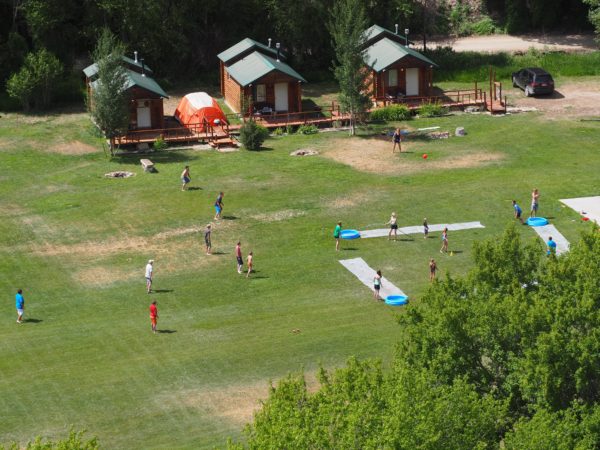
(252, 135)
(308, 129)
(391, 113)
(278, 131)
(160, 144)
(483, 26)
(289, 129)
(432, 110)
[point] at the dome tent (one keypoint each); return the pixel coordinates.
(195, 108)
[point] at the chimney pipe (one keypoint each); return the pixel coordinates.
(269, 42)
(143, 67)
(278, 45)
(396, 25)
(135, 57)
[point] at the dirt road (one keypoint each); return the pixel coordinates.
(506, 43)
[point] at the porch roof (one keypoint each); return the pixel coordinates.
(386, 52)
(256, 65)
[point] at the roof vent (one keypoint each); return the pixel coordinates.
(278, 46)
(269, 42)
(135, 57)
(396, 25)
(143, 67)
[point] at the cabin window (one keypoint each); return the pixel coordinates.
(261, 93)
(392, 77)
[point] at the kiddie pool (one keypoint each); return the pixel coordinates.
(396, 300)
(537, 221)
(349, 234)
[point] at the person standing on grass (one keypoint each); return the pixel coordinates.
(336, 234)
(377, 285)
(425, 228)
(149, 274)
(393, 223)
(153, 316)
(219, 205)
(185, 178)
(551, 247)
(397, 139)
(518, 211)
(238, 255)
(444, 248)
(207, 232)
(432, 269)
(20, 304)
(250, 261)
(535, 195)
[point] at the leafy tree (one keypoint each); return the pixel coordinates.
(347, 28)
(12, 55)
(252, 135)
(75, 441)
(594, 14)
(109, 99)
(34, 83)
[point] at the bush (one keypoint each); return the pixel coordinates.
(432, 110)
(252, 135)
(483, 27)
(391, 113)
(160, 144)
(278, 131)
(308, 129)
(289, 129)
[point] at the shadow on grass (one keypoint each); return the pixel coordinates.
(32, 320)
(229, 217)
(456, 252)
(162, 291)
(194, 188)
(166, 331)
(351, 249)
(219, 253)
(166, 157)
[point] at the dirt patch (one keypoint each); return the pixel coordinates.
(277, 216)
(574, 99)
(375, 156)
(347, 201)
(72, 148)
(102, 276)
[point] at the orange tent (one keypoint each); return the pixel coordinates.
(196, 107)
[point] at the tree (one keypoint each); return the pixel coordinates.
(252, 135)
(109, 99)
(347, 28)
(34, 83)
(75, 441)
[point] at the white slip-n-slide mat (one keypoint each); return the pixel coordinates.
(586, 206)
(365, 274)
(562, 245)
(382, 232)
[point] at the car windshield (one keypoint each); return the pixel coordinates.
(543, 78)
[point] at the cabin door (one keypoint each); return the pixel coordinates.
(143, 117)
(281, 96)
(412, 81)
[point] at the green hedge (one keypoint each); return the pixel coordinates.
(391, 113)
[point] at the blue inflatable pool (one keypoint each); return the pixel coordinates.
(349, 234)
(537, 221)
(396, 300)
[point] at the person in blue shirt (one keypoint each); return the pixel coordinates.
(518, 211)
(20, 304)
(551, 247)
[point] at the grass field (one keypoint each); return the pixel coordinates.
(77, 243)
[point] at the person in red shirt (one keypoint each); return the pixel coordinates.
(153, 316)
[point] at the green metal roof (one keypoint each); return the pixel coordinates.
(92, 70)
(386, 52)
(256, 65)
(241, 47)
(375, 31)
(136, 79)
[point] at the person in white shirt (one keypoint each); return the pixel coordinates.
(149, 271)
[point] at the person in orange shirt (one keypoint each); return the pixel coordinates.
(153, 316)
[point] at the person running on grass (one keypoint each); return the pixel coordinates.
(444, 248)
(518, 212)
(207, 242)
(185, 178)
(377, 285)
(425, 228)
(432, 269)
(219, 205)
(336, 234)
(535, 195)
(397, 139)
(20, 304)
(250, 261)
(393, 223)
(238, 255)
(153, 316)
(149, 275)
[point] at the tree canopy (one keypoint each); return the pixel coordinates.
(509, 353)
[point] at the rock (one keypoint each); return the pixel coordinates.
(460, 131)
(119, 174)
(304, 152)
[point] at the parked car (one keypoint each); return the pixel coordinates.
(533, 81)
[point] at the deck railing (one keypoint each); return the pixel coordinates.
(179, 133)
(459, 97)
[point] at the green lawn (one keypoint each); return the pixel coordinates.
(77, 243)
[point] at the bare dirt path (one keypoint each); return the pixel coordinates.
(521, 43)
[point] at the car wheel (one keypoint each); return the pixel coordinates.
(528, 92)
